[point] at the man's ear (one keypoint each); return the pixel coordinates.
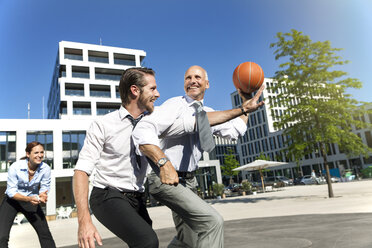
(207, 85)
(135, 90)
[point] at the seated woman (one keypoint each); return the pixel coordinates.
(27, 186)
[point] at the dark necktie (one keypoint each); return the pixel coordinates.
(203, 127)
(134, 123)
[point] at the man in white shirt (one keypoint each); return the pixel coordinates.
(118, 183)
(197, 223)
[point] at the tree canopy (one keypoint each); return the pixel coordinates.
(317, 109)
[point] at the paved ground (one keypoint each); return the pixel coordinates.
(299, 216)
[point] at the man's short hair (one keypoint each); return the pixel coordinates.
(132, 76)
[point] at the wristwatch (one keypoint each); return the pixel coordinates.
(161, 162)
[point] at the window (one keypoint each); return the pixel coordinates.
(117, 91)
(80, 72)
(72, 89)
(124, 59)
(81, 108)
(265, 129)
(280, 141)
(108, 74)
(258, 132)
(45, 138)
(99, 57)
(7, 149)
(100, 91)
(63, 108)
(105, 108)
(74, 54)
(72, 143)
(259, 117)
(62, 71)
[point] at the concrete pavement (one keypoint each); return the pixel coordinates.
(299, 216)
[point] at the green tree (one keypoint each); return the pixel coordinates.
(230, 163)
(318, 111)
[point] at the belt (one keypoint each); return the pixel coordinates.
(135, 194)
(186, 174)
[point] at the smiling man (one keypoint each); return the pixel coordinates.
(197, 223)
(118, 184)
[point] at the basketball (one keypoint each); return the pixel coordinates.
(248, 77)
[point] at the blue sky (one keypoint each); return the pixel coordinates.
(217, 35)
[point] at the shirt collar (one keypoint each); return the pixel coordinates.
(24, 166)
(190, 101)
(123, 113)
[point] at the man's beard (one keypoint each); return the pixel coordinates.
(146, 104)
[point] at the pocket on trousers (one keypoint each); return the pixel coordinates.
(154, 183)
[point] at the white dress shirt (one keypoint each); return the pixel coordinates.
(108, 151)
(182, 149)
(108, 148)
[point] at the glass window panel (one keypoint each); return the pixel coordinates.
(45, 138)
(7, 149)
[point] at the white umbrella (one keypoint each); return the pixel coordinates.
(259, 165)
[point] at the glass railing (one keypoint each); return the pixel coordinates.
(82, 111)
(73, 92)
(64, 111)
(80, 74)
(111, 77)
(98, 59)
(117, 95)
(124, 62)
(73, 56)
(103, 111)
(98, 93)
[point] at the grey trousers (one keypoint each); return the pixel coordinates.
(197, 223)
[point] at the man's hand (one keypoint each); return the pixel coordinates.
(168, 175)
(34, 200)
(87, 234)
(43, 196)
(251, 104)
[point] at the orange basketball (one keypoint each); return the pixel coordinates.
(248, 77)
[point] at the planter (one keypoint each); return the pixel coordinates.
(254, 192)
(243, 193)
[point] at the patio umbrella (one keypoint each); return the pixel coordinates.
(259, 165)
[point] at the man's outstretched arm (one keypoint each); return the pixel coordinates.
(249, 105)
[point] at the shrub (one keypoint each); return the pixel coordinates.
(246, 186)
(218, 189)
(367, 172)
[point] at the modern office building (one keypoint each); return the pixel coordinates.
(86, 79)
(84, 86)
(262, 137)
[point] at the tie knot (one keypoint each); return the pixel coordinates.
(198, 106)
(134, 121)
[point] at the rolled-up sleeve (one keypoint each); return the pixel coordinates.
(12, 182)
(91, 151)
(167, 120)
(231, 129)
(45, 181)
